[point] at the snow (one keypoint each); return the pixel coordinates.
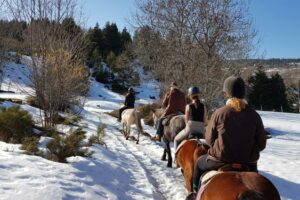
(125, 170)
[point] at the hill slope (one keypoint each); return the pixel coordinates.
(125, 170)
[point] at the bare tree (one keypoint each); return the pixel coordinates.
(194, 41)
(59, 75)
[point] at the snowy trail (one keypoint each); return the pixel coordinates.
(164, 183)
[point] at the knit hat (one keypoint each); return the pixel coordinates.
(234, 87)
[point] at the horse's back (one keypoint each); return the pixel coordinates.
(128, 116)
(177, 124)
(240, 186)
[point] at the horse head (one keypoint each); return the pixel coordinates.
(187, 156)
(156, 114)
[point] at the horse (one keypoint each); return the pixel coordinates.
(187, 155)
(129, 117)
(156, 114)
(226, 185)
(171, 129)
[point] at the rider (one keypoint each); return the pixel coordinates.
(195, 117)
(174, 103)
(235, 133)
(129, 102)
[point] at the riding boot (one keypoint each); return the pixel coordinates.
(191, 196)
(156, 138)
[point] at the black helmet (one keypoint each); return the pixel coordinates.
(234, 87)
(130, 89)
(193, 91)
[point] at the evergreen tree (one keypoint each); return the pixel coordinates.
(267, 93)
(95, 43)
(112, 39)
(259, 90)
(278, 93)
(125, 39)
(70, 26)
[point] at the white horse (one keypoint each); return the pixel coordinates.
(129, 117)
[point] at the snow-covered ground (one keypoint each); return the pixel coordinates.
(125, 170)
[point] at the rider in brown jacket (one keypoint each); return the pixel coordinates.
(235, 133)
(174, 103)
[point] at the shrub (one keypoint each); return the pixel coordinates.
(31, 145)
(99, 137)
(146, 111)
(15, 125)
(117, 87)
(102, 76)
(32, 101)
(72, 120)
(62, 147)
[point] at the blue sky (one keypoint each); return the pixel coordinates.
(278, 22)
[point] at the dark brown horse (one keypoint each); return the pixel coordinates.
(171, 129)
(229, 185)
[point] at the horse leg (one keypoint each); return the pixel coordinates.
(164, 156)
(168, 150)
(128, 132)
(138, 139)
(123, 129)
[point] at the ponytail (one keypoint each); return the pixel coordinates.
(197, 101)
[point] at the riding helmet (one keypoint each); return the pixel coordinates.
(193, 91)
(234, 87)
(130, 89)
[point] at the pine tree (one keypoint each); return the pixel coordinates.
(267, 93)
(125, 39)
(259, 90)
(95, 43)
(112, 39)
(278, 93)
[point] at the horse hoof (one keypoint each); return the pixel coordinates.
(169, 165)
(163, 159)
(127, 138)
(137, 142)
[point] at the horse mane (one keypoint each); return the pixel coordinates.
(201, 149)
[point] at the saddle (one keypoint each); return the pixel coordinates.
(237, 167)
(196, 135)
(167, 119)
(207, 176)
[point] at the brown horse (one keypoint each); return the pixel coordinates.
(187, 156)
(171, 129)
(229, 185)
(129, 117)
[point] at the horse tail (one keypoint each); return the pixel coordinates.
(138, 121)
(251, 195)
(138, 124)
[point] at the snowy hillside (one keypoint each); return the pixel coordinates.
(125, 170)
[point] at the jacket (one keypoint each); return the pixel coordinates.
(129, 100)
(174, 102)
(235, 136)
